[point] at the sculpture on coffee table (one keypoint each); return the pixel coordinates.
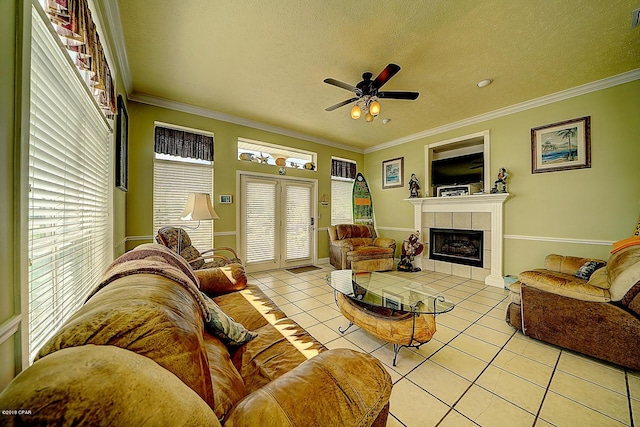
(410, 248)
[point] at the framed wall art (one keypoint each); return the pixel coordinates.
(393, 173)
(561, 146)
(122, 146)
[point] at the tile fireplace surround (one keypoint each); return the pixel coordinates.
(475, 212)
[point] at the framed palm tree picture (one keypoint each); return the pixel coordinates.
(561, 146)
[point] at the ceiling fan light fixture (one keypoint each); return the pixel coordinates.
(374, 108)
(356, 112)
(368, 117)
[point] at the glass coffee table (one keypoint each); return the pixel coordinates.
(393, 308)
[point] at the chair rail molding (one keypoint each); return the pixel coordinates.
(10, 327)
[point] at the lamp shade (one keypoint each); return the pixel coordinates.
(198, 208)
(374, 108)
(355, 112)
(368, 117)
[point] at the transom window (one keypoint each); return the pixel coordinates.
(278, 155)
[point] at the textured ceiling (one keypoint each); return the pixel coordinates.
(265, 61)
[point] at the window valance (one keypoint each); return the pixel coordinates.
(343, 169)
(182, 143)
(72, 22)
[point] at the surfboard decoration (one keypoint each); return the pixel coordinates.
(362, 203)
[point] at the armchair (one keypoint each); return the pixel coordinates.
(568, 304)
(357, 247)
(174, 238)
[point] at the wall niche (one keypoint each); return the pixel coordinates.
(461, 163)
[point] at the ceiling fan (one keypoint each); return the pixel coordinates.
(368, 92)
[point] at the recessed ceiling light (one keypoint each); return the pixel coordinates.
(484, 83)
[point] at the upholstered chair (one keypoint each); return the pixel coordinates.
(357, 247)
(176, 239)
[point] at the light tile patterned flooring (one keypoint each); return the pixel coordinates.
(476, 370)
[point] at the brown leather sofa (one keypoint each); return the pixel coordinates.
(597, 314)
(138, 353)
(357, 247)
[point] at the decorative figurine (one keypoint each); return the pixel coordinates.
(502, 180)
(410, 248)
(414, 186)
(247, 157)
(262, 158)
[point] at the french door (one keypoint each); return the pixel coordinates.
(276, 222)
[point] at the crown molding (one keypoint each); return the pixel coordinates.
(112, 16)
(204, 112)
(523, 106)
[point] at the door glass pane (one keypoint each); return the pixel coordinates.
(298, 222)
(260, 221)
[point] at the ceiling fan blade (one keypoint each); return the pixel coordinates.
(340, 104)
(384, 76)
(398, 95)
(340, 84)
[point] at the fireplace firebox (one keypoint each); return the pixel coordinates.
(456, 246)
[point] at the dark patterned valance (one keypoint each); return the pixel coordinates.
(184, 144)
(343, 169)
(77, 31)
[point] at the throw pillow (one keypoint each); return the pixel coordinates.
(224, 327)
(586, 270)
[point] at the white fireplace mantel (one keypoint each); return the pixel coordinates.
(491, 203)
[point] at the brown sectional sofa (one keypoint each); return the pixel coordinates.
(597, 315)
(138, 353)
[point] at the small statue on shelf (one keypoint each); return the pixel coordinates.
(502, 180)
(410, 248)
(414, 186)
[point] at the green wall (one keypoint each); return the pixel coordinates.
(139, 205)
(592, 205)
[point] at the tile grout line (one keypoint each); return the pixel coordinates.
(451, 407)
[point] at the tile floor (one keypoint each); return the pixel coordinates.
(476, 370)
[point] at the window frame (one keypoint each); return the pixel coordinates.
(29, 13)
(334, 200)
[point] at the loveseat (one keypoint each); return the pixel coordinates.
(142, 351)
(583, 304)
(357, 247)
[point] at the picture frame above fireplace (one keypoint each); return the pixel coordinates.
(561, 146)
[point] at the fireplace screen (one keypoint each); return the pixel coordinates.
(456, 246)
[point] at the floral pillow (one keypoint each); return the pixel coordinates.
(224, 327)
(586, 270)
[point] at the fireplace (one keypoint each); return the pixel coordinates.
(456, 246)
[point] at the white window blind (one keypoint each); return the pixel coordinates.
(298, 222)
(341, 201)
(259, 222)
(343, 172)
(173, 180)
(69, 228)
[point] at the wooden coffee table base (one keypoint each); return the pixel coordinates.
(401, 328)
